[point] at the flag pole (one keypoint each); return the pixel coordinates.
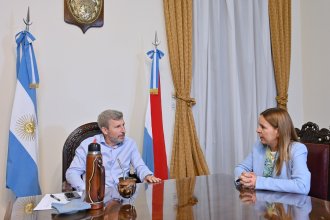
(27, 21)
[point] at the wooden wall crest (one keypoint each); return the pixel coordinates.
(84, 13)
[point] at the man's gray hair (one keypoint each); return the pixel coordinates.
(106, 115)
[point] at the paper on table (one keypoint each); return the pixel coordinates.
(46, 201)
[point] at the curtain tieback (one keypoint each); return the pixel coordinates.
(282, 100)
(189, 101)
(191, 202)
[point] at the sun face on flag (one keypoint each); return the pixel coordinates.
(29, 208)
(25, 127)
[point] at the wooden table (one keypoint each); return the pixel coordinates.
(204, 197)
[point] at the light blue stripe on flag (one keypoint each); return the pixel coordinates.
(148, 149)
(29, 174)
(22, 168)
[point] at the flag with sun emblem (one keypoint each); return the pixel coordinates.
(22, 167)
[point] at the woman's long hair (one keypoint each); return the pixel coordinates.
(280, 119)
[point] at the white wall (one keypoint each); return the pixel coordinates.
(315, 27)
(295, 97)
(82, 75)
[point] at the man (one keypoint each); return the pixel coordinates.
(114, 145)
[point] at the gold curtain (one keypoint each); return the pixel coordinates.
(187, 157)
(280, 30)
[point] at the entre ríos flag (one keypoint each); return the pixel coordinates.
(154, 151)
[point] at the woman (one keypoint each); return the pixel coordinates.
(277, 162)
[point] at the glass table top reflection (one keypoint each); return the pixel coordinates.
(203, 197)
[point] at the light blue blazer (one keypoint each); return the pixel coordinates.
(295, 176)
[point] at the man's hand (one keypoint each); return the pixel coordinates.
(151, 179)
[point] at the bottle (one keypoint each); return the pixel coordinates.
(95, 176)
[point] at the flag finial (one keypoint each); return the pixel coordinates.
(27, 21)
(156, 42)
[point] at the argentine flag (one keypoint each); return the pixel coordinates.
(22, 168)
(154, 151)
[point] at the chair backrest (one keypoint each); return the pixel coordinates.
(318, 160)
(74, 140)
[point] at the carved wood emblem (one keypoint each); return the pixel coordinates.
(84, 13)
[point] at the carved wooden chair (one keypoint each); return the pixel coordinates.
(70, 146)
(72, 142)
(318, 144)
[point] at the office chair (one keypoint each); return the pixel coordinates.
(318, 145)
(72, 142)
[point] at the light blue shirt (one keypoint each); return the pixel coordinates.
(295, 176)
(126, 152)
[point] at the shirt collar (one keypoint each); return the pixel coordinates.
(102, 141)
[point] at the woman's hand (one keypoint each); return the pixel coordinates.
(248, 180)
(247, 196)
